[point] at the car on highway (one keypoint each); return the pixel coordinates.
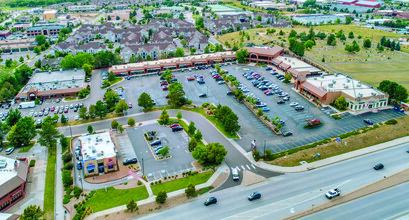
(287, 133)
(265, 109)
(9, 151)
(235, 174)
(211, 200)
(130, 161)
(79, 165)
(254, 195)
(368, 121)
(333, 193)
(378, 166)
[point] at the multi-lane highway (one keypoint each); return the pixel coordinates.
(291, 193)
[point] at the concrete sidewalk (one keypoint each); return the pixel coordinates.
(222, 169)
(331, 160)
(58, 206)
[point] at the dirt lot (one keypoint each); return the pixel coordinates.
(380, 185)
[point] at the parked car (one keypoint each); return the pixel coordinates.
(156, 142)
(203, 95)
(280, 102)
(254, 195)
(221, 82)
(190, 78)
(368, 121)
(129, 105)
(287, 98)
(79, 165)
(378, 166)
(299, 108)
(201, 81)
(211, 200)
(165, 87)
(265, 109)
(174, 129)
(287, 133)
(9, 151)
(293, 104)
(269, 68)
(229, 93)
(174, 125)
(130, 161)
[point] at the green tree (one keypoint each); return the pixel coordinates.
(114, 124)
(121, 106)
(164, 117)
(164, 151)
(191, 128)
(242, 55)
(120, 129)
(111, 76)
(176, 95)
(198, 135)
(91, 111)
(397, 93)
(40, 39)
(21, 60)
(367, 43)
(190, 191)
(22, 132)
(293, 33)
(287, 78)
(101, 109)
(90, 129)
(131, 122)
(63, 120)
(351, 35)
(48, 134)
(183, 42)
(348, 20)
(179, 52)
(132, 206)
(14, 117)
(67, 178)
(4, 129)
(32, 212)
(179, 115)
(161, 197)
(331, 39)
(148, 58)
(145, 101)
(211, 154)
(341, 103)
(88, 68)
(82, 113)
(192, 144)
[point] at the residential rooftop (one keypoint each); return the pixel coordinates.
(345, 84)
(97, 146)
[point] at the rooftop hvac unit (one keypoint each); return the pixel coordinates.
(348, 80)
(358, 85)
(60, 69)
(315, 78)
(346, 86)
(330, 85)
(360, 95)
(93, 150)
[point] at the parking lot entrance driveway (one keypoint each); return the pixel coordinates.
(180, 161)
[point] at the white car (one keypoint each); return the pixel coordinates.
(293, 104)
(333, 193)
(77, 118)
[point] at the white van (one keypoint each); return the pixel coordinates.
(235, 173)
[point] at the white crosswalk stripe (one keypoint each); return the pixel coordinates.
(238, 168)
(248, 166)
(253, 166)
(243, 167)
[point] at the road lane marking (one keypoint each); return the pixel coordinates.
(253, 166)
(237, 167)
(248, 167)
(243, 167)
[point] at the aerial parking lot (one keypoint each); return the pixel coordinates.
(180, 161)
(251, 127)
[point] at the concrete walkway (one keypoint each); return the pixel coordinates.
(331, 160)
(222, 169)
(58, 206)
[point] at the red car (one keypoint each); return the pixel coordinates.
(267, 91)
(163, 83)
(167, 96)
(130, 105)
(190, 78)
(216, 76)
(165, 87)
(174, 125)
(52, 108)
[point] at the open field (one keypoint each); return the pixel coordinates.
(237, 4)
(182, 183)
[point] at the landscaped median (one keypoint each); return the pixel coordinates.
(49, 191)
(351, 141)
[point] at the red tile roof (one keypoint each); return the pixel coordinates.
(314, 90)
(275, 51)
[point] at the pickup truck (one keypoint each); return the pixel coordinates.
(333, 193)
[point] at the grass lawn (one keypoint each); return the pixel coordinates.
(50, 185)
(70, 99)
(182, 183)
(354, 142)
(66, 148)
(237, 4)
(115, 197)
(373, 67)
(185, 126)
(196, 16)
(406, 85)
(78, 122)
(116, 80)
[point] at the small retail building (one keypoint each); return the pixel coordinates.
(53, 84)
(325, 89)
(12, 182)
(98, 154)
(263, 54)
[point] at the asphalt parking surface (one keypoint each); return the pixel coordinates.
(181, 160)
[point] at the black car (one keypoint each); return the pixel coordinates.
(378, 166)
(280, 102)
(287, 133)
(269, 68)
(130, 161)
(178, 128)
(256, 83)
(211, 200)
(229, 93)
(368, 121)
(203, 95)
(201, 81)
(156, 142)
(173, 80)
(254, 195)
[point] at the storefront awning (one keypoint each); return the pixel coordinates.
(111, 164)
(90, 167)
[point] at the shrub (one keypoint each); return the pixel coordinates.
(165, 178)
(161, 197)
(140, 182)
(337, 117)
(391, 122)
(68, 166)
(151, 183)
(256, 155)
(67, 157)
(67, 178)
(190, 191)
(77, 191)
(160, 181)
(32, 163)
